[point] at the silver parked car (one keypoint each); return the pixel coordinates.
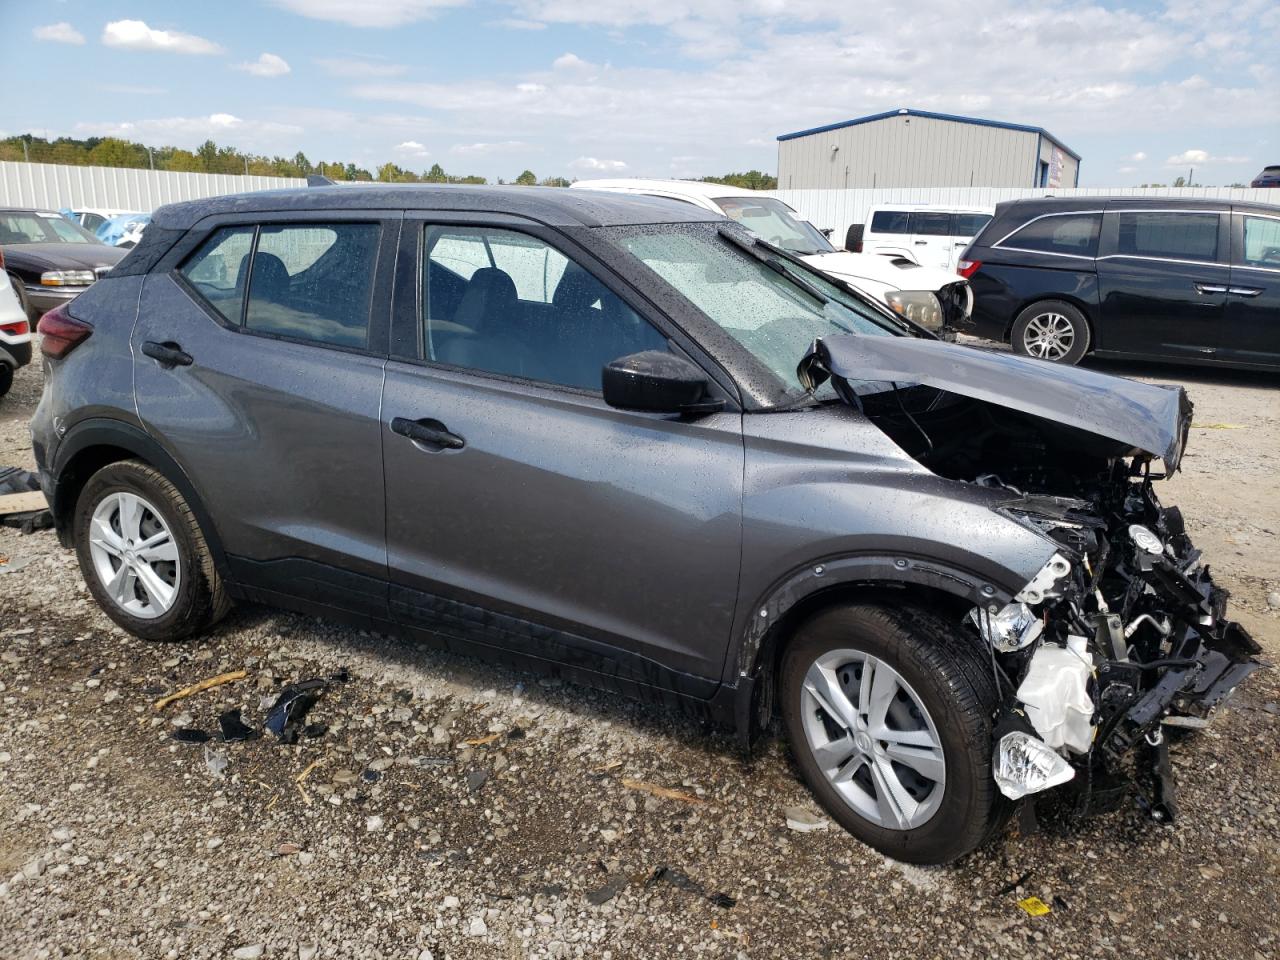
(621, 439)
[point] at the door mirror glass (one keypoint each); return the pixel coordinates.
(657, 382)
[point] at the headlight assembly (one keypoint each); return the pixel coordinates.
(66, 278)
(919, 306)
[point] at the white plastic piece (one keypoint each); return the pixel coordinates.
(1055, 693)
(1023, 765)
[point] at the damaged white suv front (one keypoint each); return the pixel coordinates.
(1122, 635)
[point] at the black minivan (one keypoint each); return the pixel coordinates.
(1192, 281)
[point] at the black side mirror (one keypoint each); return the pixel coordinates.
(826, 232)
(657, 382)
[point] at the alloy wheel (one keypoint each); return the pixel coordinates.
(1049, 336)
(134, 555)
(873, 739)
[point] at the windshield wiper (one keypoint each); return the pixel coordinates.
(774, 264)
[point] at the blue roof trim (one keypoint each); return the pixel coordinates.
(977, 121)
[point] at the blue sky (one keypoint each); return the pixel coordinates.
(1141, 90)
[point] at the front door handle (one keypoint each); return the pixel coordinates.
(1245, 291)
(1211, 288)
(433, 433)
(167, 354)
(921, 243)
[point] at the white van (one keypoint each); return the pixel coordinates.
(930, 297)
(932, 236)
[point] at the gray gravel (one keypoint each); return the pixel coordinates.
(456, 810)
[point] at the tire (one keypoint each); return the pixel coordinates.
(1051, 330)
(939, 670)
(6, 378)
(137, 600)
(20, 289)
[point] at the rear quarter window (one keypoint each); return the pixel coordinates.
(1070, 234)
(890, 221)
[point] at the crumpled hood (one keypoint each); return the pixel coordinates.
(1147, 418)
(881, 269)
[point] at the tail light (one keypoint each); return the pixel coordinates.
(1, 259)
(61, 332)
(967, 268)
(15, 329)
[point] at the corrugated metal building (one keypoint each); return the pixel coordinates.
(914, 148)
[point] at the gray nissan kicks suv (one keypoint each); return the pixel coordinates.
(620, 439)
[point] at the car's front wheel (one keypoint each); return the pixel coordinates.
(20, 291)
(143, 555)
(1051, 330)
(888, 711)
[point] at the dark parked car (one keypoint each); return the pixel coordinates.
(50, 260)
(1269, 177)
(1193, 281)
(621, 439)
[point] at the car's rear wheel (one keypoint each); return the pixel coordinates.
(888, 711)
(1051, 330)
(143, 555)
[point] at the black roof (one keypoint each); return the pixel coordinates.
(554, 206)
(1038, 205)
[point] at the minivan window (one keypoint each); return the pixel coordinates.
(1073, 234)
(314, 282)
(890, 221)
(218, 269)
(1168, 236)
(504, 302)
(1262, 242)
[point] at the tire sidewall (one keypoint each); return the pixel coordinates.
(125, 478)
(966, 807)
(1079, 324)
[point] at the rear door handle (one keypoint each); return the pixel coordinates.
(921, 243)
(1245, 291)
(433, 433)
(1211, 288)
(167, 354)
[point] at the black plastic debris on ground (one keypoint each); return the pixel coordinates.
(612, 887)
(17, 480)
(233, 729)
(190, 735)
(682, 881)
(286, 716)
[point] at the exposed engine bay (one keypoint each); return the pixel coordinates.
(1122, 636)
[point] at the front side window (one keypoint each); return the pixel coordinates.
(313, 282)
(507, 303)
(774, 221)
(219, 267)
(1168, 236)
(1072, 234)
(771, 315)
(1261, 242)
(890, 221)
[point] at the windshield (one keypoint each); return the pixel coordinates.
(773, 220)
(774, 308)
(25, 227)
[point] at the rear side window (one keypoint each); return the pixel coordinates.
(1073, 234)
(890, 221)
(968, 224)
(1261, 242)
(931, 224)
(218, 270)
(1168, 236)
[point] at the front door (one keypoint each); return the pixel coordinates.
(259, 365)
(1162, 282)
(1251, 332)
(522, 511)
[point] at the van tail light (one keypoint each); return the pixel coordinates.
(967, 268)
(15, 329)
(1, 259)
(61, 332)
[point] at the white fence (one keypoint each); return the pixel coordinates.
(55, 187)
(838, 209)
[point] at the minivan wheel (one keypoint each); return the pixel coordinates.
(143, 555)
(1051, 330)
(888, 712)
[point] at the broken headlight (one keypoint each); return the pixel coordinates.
(1008, 629)
(1024, 764)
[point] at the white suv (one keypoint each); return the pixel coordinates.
(931, 297)
(15, 332)
(932, 236)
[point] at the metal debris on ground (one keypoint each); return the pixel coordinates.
(208, 683)
(666, 793)
(1034, 906)
(233, 729)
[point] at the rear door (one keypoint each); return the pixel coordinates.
(259, 362)
(931, 238)
(522, 511)
(1251, 333)
(1163, 276)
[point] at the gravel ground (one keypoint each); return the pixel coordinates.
(453, 809)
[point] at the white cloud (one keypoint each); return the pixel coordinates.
(515, 23)
(136, 35)
(189, 132)
(591, 163)
(369, 13)
(267, 65)
(1138, 157)
(61, 32)
(569, 61)
(481, 149)
(360, 67)
(1126, 170)
(412, 149)
(1200, 158)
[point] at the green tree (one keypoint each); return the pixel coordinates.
(751, 180)
(527, 179)
(555, 182)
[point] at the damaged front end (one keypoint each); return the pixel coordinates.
(1122, 634)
